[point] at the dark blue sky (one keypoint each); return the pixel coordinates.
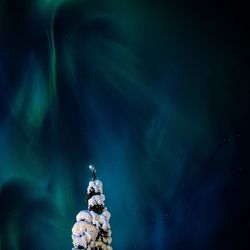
(154, 94)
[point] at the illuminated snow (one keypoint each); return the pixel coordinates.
(89, 223)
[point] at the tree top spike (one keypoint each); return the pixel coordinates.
(93, 171)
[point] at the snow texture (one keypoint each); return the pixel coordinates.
(96, 185)
(96, 200)
(85, 232)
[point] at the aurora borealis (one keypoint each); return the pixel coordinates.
(155, 95)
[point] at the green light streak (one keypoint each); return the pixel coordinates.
(52, 54)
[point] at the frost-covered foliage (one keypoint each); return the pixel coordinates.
(92, 228)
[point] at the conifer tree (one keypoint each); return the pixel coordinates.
(92, 229)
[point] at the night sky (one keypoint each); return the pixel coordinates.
(155, 94)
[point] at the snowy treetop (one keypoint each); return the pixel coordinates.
(96, 185)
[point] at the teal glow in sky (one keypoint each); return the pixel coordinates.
(153, 94)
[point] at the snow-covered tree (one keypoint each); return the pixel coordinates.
(92, 229)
